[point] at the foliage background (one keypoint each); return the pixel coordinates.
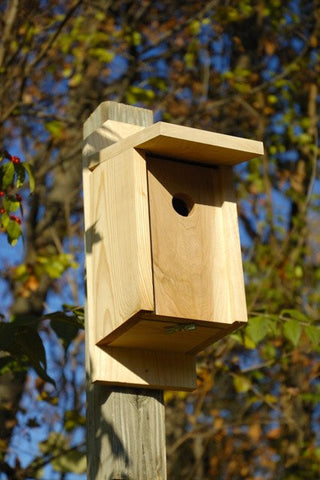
(240, 67)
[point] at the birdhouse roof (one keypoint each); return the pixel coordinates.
(185, 143)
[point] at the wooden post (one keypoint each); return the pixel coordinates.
(125, 427)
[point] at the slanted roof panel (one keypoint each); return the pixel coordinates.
(185, 143)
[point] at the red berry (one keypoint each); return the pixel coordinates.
(18, 197)
(15, 159)
(1, 194)
(15, 219)
(2, 210)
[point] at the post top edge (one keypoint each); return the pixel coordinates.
(111, 110)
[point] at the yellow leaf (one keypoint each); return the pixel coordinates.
(241, 383)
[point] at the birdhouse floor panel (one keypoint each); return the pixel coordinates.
(167, 334)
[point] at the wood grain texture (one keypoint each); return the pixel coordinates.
(128, 438)
(125, 427)
(150, 369)
(187, 144)
(118, 112)
(146, 427)
(107, 134)
(175, 335)
(196, 258)
(121, 254)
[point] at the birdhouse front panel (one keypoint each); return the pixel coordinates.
(196, 256)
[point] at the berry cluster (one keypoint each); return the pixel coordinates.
(15, 219)
(15, 159)
(10, 157)
(18, 196)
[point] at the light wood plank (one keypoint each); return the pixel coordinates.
(117, 112)
(129, 438)
(196, 258)
(107, 134)
(121, 265)
(232, 247)
(121, 443)
(185, 143)
(177, 335)
(150, 369)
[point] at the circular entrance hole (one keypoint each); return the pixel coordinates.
(182, 204)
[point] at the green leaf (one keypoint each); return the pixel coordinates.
(272, 99)
(194, 27)
(65, 459)
(8, 364)
(158, 83)
(30, 173)
(248, 343)
(11, 204)
(66, 326)
(236, 337)
(32, 346)
(65, 329)
(313, 333)
(54, 269)
(241, 383)
(292, 331)
(21, 338)
(77, 311)
(137, 94)
(75, 80)
(7, 175)
(21, 174)
(55, 128)
(7, 343)
(13, 232)
(295, 314)
(21, 273)
(54, 444)
(73, 419)
(56, 265)
(102, 54)
(258, 328)
(72, 461)
(189, 59)
(136, 38)
(5, 219)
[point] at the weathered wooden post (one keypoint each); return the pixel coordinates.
(164, 273)
(125, 427)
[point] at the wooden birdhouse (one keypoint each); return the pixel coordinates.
(164, 269)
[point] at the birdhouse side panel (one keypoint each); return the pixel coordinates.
(233, 256)
(121, 254)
